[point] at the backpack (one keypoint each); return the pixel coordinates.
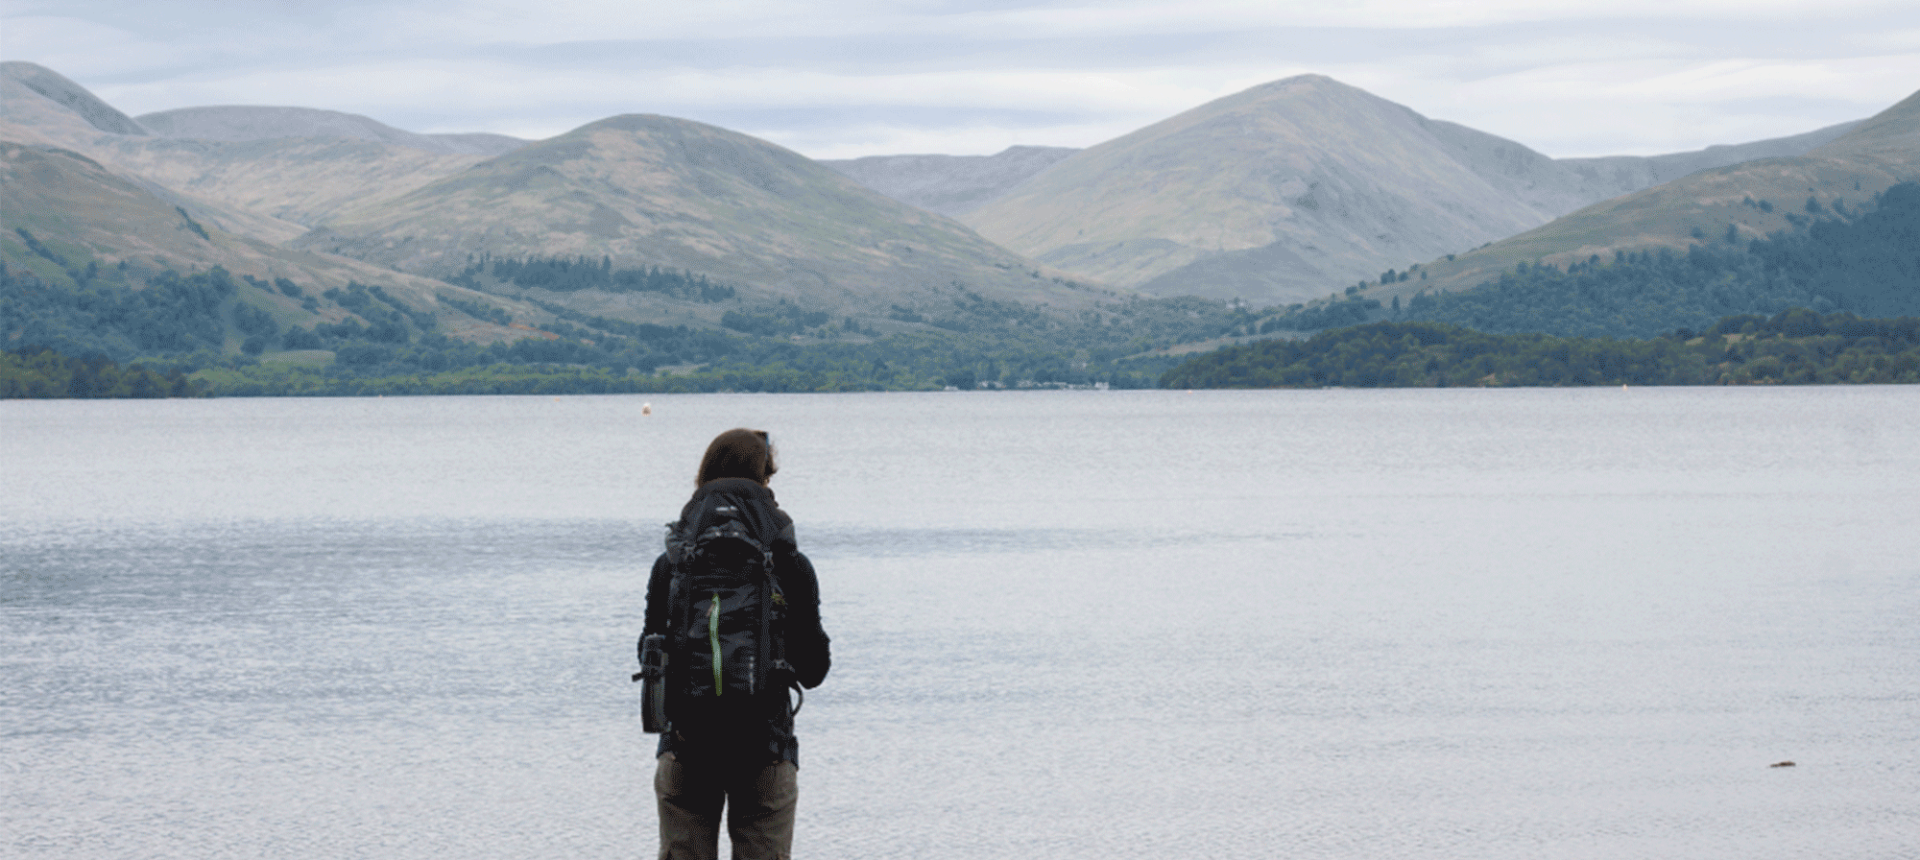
(726, 670)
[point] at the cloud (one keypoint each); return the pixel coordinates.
(73, 45)
(839, 78)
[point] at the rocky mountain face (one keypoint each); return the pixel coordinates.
(951, 185)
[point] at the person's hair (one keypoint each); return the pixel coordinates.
(738, 453)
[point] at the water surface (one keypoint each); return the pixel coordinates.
(1471, 624)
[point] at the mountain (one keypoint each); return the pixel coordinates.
(270, 189)
(954, 185)
(648, 190)
(242, 123)
(951, 185)
(1279, 193)
(1753, 199)
(1298, 187)
(640, 192)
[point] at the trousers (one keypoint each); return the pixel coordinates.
(759, 804)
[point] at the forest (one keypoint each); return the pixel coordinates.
(1865, 260)
(1795, 346)
(44, 373)
(567, 275)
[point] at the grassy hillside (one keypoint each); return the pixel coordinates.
(304, 181)
(1756, 198)
(1859, 258)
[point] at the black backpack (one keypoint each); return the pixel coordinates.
(726, 669)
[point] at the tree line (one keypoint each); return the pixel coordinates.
(1862, 260)
(43, 373)
(1796, 346)
(572, 274)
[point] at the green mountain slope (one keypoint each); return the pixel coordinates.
(1754, 199)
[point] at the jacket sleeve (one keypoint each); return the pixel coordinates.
(657, 583)
(807, 643)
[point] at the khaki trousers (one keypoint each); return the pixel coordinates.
(759, 805)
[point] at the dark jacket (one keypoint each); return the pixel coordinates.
(806, 642)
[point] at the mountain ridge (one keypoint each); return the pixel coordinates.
(1247, 181)
(654, 190)
(77, 99)
(242, 123)
(1287, 190)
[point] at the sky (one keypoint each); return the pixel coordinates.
(848, 78)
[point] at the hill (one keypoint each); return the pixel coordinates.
(77, 239)
(653, 190)
(91, 214)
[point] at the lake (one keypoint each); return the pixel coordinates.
(1338, 624)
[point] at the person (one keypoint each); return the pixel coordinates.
(748, 767)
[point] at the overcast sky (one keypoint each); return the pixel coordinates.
(844, 78)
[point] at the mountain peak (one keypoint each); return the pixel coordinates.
(642, 122)
(56, 88)
(1277, 193)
